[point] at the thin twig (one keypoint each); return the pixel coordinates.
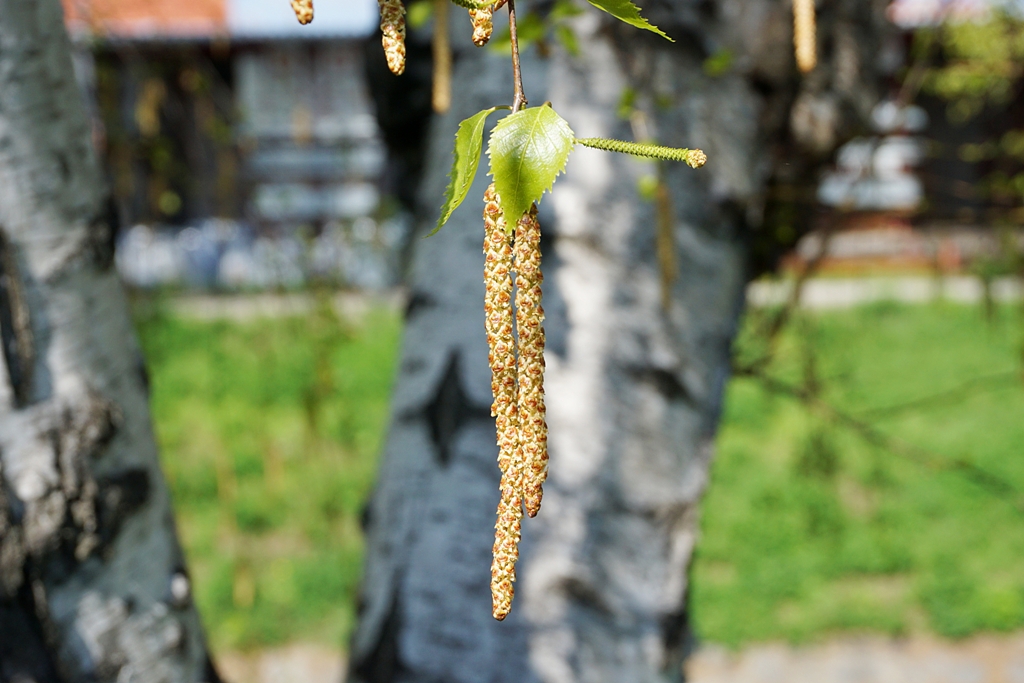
(519, 96)
(777, 322)
(808, 271)
(916, 75)
(993, 483)
(664, 240)
(957, 393)
(441, 98)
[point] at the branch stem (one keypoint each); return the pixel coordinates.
(519, 96)
(441, 97)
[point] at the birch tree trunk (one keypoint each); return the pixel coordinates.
(634, 387)
(93, 585)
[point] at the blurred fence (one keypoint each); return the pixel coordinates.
(229, 255)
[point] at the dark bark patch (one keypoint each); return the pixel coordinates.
(366, 517)
(449, 410)
(419, 302)
(64, 166)
(142, 371)
(120, 495)
(679, 641)
(666, 382)
(96, 250)
(23, 652)
(12, 547)
(11, 504)
(210, 674)
(15, 325)
(586, 596)
(383, 664)
(103, 235)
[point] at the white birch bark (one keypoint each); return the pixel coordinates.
(93, 585)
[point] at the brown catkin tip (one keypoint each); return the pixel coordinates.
(392, 28)
(696, 158)
(533, 428)
(498, 322)
(805, 41)
(482, 25)
(507, 532)
(303, 10)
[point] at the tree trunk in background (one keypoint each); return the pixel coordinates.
(634, 389)
(93, 585)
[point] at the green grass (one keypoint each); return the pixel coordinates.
(269, 433)
(809, 529)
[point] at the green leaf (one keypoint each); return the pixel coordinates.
(626, 11)
(469, 142)
(565, 9)
(419, 13)
(567, 37)
(627, 103)
(528, 150)
(719, 63)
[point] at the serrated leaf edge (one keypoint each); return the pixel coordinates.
(645, 23)
(559, 172)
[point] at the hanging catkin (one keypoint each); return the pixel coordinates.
(392, 28)
(505, 554)
(303, 10)
(482, 25)
(502, 356)
(533, 428)
(805, 41)
(498, 321)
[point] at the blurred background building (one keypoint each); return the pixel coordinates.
(912, 194)
(244, 153)
(242, 148)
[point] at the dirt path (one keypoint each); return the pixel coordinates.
(242, 307)
(299, 663)
(830, 293)
(982, 659)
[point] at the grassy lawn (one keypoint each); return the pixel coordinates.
(809, 528)
(270, 431)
